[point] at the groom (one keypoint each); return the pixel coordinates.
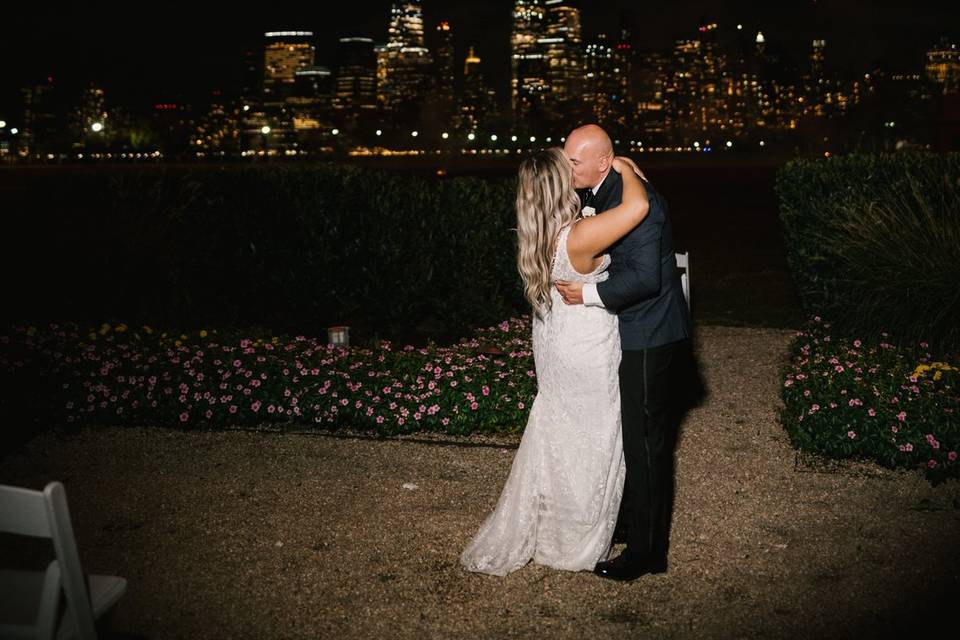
(644, 290)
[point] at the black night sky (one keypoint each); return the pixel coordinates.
(144, 51)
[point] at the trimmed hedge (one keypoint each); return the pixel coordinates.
(291, 247)
(873, 242)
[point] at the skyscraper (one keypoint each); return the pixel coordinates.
(683, 91)
(285, 53)
(479, 101)
(815, 88)
(528, 60)
(943, 66)
(600, 81)
(356, 97)
(444, 89)
(563, 45)
(404, 63)
(652, 69)
(622, 99)
(42, 131)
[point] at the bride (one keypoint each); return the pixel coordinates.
(560, 501)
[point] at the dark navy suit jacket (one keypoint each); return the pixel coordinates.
(644, 284)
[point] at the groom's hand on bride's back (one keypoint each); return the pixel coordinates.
(571, 292)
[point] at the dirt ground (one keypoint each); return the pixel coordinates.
(269, 535)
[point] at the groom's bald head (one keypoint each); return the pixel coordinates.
(589, 150)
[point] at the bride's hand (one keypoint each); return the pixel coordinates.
(623, 163)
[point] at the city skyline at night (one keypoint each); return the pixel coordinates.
(510, 65)
(101, 42)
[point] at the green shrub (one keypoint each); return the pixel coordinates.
(873, 242)
(852, 398)
(293, 247)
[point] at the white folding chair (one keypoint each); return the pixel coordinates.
(683, 262)
(30, 600)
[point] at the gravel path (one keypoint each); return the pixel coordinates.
(263, 535)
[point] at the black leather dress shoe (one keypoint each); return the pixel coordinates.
(627, 568)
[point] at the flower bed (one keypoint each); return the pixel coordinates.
(122, 375)
(847, 399)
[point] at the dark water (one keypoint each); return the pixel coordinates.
(724, 212)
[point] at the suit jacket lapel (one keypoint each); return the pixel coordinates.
(601, 201)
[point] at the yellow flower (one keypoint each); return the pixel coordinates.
(104, 328)
(121, 328)
(163, 335)
(93, 336)
(177, 342)
(937, 367)
(203, 333)
(147, 329)
(183, 337)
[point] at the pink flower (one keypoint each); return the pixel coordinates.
(806, 393)
(520, 405)
(857, 343)
(485, 390)
(908, 447)
(184, 416)
(255, 405)
(233, 408)
(838, 368)
(931, 464)
(208, 414)
(445, 421)
(952, 456)
(851, 434)
(814, 408)
(902, 416)
(474, 405)
(871, 412)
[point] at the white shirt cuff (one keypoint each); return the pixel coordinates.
(590, 296)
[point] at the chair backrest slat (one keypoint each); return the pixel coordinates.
(24, 512)
(72, 577)
(683, 262)
(44, 514)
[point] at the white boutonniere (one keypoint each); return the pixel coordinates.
(588, 211)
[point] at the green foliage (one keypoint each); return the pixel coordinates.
(292, 247)
(873, 242)
(852, 398)
(130, 375)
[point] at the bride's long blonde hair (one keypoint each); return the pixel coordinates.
(546, 202)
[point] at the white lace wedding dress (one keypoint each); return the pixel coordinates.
(560, 501)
